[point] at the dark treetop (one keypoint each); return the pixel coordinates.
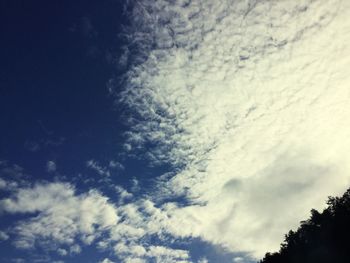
(323, 238)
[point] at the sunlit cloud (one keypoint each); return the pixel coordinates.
(248, 100)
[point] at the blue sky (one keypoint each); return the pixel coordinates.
(168, 131)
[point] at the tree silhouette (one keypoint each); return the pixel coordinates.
(323, 238)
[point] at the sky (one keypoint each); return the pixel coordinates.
(171, 130)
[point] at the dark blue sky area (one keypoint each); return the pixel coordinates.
(56, 58)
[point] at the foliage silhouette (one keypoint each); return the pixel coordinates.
(323, 238)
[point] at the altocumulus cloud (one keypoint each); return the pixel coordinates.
(62, 215)
(61, 219)
(247, 100)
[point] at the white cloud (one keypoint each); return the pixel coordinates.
(75, 249)
(164, 254)
(62, 216)
(58, 217)
(238, 259)
(135, 260)
(62, 252)
(123, 194)
(116, 165)
(11, 176)
(51, 166)
(106, 260)
(3, 236)
(94, 165)
(3, 184)
(137, 253)
(250, 99)
(11, 172)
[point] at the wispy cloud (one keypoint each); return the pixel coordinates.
(11, 176)
(3, 236)
(116, 165)
(51, 166)
(101, 170)
(32, 146)
(124, 194)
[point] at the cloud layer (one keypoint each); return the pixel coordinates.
(249, 99)
(59, 219)
(61, 215)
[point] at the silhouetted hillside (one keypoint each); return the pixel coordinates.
(324, 238)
